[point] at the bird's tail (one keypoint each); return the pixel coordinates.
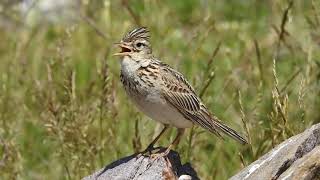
(214, 125)
(228, 131)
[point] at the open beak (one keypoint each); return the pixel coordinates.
(125, 49)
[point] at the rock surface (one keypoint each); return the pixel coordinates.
(296, 158)
(307, 168)
(142, 168)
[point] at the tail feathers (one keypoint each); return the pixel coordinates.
(214, 125)
(206, 120)
(230, 132)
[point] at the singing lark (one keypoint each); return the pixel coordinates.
(161, 92)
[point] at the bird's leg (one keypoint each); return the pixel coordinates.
(174, 143)
(150, 146)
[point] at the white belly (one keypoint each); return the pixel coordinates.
(159, 110)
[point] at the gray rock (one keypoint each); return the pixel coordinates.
(142, 168)
(296, 158)
(307, 167)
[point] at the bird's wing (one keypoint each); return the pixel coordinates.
(179, 93)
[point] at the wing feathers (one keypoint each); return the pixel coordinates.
(180, 95)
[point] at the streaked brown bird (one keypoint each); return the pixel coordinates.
(161, 92)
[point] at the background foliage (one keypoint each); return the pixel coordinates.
(64, 114)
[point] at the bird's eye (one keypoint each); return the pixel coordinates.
(139, 45)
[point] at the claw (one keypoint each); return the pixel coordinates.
(147, 152)
(154, 157)
(160, 155)
(157, 156)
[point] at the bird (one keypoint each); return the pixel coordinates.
(163, 93)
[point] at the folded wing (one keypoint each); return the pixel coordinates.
(179, 93)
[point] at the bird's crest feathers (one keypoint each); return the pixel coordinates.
(137, 33)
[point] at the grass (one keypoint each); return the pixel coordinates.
(64, 114)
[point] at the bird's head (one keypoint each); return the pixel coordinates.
(135, 43)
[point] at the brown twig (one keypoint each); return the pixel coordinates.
(243, 163)
(316, 15)
(258, 53)
(282, 27)
(92, 24)
(135, 16)
(215, 52)
(276, 29)
(207, 83)
(290, 80)
(285, 33)
(243, 119)
(280, 39)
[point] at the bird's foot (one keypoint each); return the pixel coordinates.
(158, 155)
(147, 152)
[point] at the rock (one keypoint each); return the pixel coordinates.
(296, 158)
(142, 168)
(307, 167)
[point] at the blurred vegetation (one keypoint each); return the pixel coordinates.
(64, 114)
